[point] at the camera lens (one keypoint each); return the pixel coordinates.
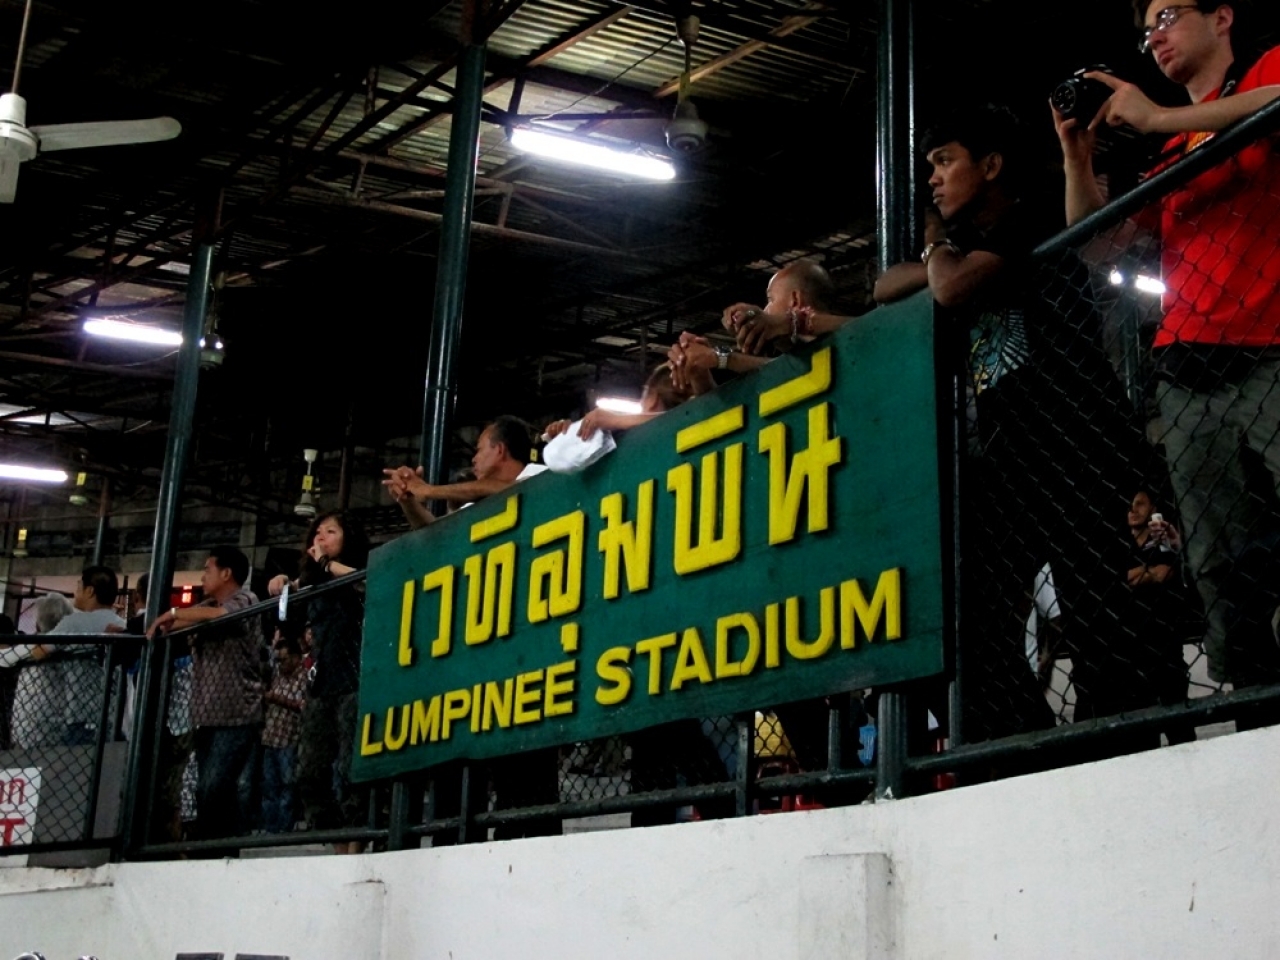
(1079, 98)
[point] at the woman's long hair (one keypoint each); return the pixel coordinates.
(355, 546)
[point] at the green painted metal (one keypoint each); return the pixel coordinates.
(490, 678)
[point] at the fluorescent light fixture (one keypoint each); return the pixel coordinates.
(1116, 277)
(133, 332)
(1148, 284)
(15, 471)
(619, 405)
(592, 154)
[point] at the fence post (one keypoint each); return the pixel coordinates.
(891, 745)
(746, 754)
(451, 271)
(177, 450)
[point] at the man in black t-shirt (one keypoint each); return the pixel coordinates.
(1045, 431)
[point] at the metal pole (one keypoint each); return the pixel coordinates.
(104, 508)
(896, 134)
(898, 237)
(891, 745)
(177, 450)
(451, 269)
(746, 728)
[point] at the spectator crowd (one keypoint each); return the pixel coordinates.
(1093, 548)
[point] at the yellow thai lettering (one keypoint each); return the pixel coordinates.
(714, 511)
(627, 544)
(654, 647)
(799, 389)
(713, 428)
(612, 668)
(558, 698)
(489, 596)
(886, 604)
(691, 660)
(808, 477)
(508, 519)
(555, 585)
(726, 666)
(405, 655)
(442, 580)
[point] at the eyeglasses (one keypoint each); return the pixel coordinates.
(1165, 19)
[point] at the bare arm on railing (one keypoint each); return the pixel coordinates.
(952, 275)
(1129, 105)
(179, 617)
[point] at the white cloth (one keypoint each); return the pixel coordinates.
(530, 470)
(569, 453)
(1044, 607)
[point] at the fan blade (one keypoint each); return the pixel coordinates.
(74, 136)
(8, 176)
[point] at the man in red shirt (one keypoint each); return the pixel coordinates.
(1218, 346)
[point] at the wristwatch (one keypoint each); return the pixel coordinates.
(722, 356)
(928, 250)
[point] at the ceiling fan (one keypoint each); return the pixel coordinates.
(19, 143)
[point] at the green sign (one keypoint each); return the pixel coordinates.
(776, 540)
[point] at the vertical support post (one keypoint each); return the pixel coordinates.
(177, 450)
(891, 745)
(464, 803)
(348, 454)
(104, 510)
(958, 417)
(896, 134)
(897, 236)
(835, 737)
(746, 743)
(100, 740)
(451, 271)
(397, 832)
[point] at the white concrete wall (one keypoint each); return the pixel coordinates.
(1170, 854)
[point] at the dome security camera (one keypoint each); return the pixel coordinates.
(686, 133)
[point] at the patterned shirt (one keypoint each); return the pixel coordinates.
(226, 678)
(284, 724)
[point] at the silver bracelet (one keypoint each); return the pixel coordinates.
(931, 248)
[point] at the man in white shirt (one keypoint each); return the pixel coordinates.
(502, 458)
(64, 693)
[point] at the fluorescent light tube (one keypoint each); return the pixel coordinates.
(15, 471)
(592, 154)
(133, 332)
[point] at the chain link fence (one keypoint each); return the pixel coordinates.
(1118, 485)
(1116, 479)
(61, 765)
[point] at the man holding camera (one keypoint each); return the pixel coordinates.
(1217, 350)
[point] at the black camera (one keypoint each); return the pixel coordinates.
(1080, 97)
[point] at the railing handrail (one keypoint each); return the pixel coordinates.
(266, 606)
(1225, 144)
(64, 639)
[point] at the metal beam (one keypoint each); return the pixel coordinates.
(485, 229)
(716, 64)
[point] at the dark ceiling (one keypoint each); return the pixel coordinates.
(313, 147)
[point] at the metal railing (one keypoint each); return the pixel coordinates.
(996, 713)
